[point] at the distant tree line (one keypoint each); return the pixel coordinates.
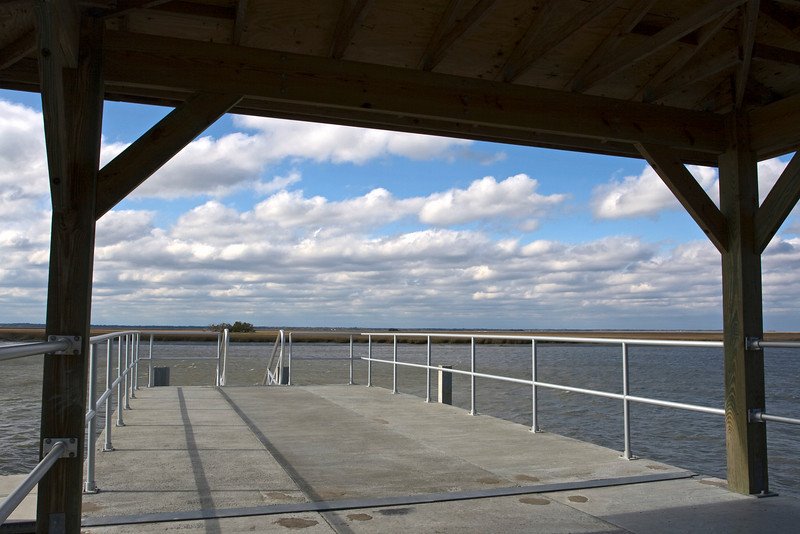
(238, 326)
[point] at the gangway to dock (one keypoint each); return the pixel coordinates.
(355, 459)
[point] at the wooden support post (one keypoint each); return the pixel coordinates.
(70, 280)
(742, 315)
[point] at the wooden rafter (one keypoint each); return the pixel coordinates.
(544, 41)
(747, 39)
(777, 17)
(603, 51)
(351, 13)
(779, 203)
(157, 146)
(126, 6)
(698, 18)
(449, 30)
(662, 82)
(688, 192)
(773, 128)
(240, 22)
(151, 61)
(538, 25)
(18, 49)
(698, 73)
(776, 54)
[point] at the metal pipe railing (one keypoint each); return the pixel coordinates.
(11, 352)
(535, 383)
(16, 497)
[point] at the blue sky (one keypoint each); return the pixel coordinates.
(293, 224)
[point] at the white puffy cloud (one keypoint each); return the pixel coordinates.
(343, 144)
(646, 194)
(218, 166)
(514, 198)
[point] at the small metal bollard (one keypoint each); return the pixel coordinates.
(445, 385)
(160, 376)
(283, 379)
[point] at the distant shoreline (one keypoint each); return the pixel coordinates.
(343, 335)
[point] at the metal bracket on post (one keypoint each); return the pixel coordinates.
(752, 343)
(74, 347)
(70, 452)
(754, 415)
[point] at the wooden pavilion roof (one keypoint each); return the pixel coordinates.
(591, 75)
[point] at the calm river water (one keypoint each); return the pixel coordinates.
(693, 375)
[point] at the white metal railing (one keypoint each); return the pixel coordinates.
(123, 380)
(535, 383)
(126, 383)
(276, 359)
(290, 356)
(221, 358)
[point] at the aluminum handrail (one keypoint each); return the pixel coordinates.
(534, 383)
(23, 350)
(776, 344)
(555, 339)
(16, 497)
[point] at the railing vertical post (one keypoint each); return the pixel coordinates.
(350, 382)
(472, 376)
(394, 366)
(135, 355)
(369, 361)
(626, 403)
(289, 358)
(428, 372)
(150, 364)
(534, 392)
(110, 399)
(120, 392)
(219, 354)
(225, 340)
(127, 373)
(91, 431)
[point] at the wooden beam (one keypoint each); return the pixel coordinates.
(698, 18)
(23, 76)
(70, 280)
(746, 441)
(351, 13)
(668, 76)
(57, 25)
(779, 203)
(776, 54)
(157, 146)
(538, 25)
(773, 128)
(164, 63)
(126, 6)
(449, 30)
(544, 41)
(240, 22)
(18, 49)
(688, 192)
(747, 39)
(603, 51)
(697, 73)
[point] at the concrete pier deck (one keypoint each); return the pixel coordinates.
(356, 459)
